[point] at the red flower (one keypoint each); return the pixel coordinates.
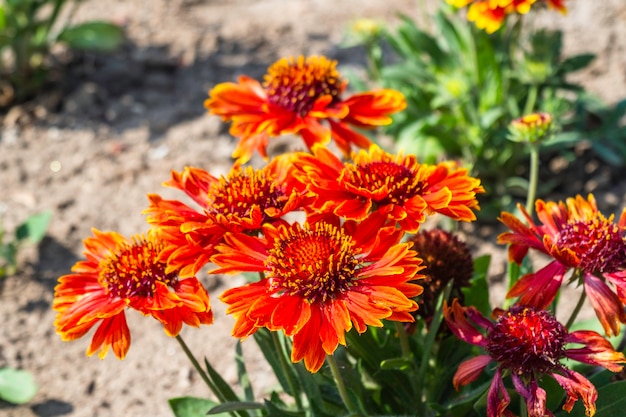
(528, 343)
(320, 280)
(394, 185)
(120, 273)
(242, 201)
(295, 97)
(581, 239)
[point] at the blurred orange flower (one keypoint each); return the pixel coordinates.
(121, 273)
(579, 238)
(394, 185)
(297, 95)
(320, 280)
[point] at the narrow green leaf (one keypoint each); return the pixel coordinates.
(396, 363)
(242, 374)
(16, 386)
(34, 228)
(93, 36)
(235, 406)
(264, 340)
(191, 406)
(223, 386)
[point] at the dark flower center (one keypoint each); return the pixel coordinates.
(400, 181)
(134, 269)
(446, 259)
(317, 264)
(599, 245)
(296, 84)
(525, 340)
(235, 195)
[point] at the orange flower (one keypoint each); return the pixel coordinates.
(528, 343)
(558, 5)
(578, 237)
(320, 280)
(295, 97)
(242, 201)
(120, 273)
(394, 185)
(491, 14)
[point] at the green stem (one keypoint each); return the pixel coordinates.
(428, 345)
(341, 386)
(199, 369)
(531, 99)
(404, 340)
(534, 178)
(577, 309)
(286, 370)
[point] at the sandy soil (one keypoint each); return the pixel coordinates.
(111, 132)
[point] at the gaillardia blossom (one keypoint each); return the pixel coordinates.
(242, 200)
(579, 238)
(490, 15)
(395, 185)
(445, 259)
(320, 280)
(527, 344)
(121, 273)
(296, 96)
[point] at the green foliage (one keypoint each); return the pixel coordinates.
(28, 30)
(32, 230)
(463, 88)
(16, 386)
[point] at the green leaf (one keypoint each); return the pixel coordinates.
(191, 406)
(227, 407)
(222, 386)
(34, 228)
(477, 294)
(93, 36)
(242, 374)
(396, 363)
(577, 62)
(16, 386)
(263, 339)
(611, 402)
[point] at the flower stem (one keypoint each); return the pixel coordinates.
(534, 178)
(341, 386)
(577, 309)
(531, 99)
(404, 340)
(286, 370)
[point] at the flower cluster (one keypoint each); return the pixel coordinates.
(338, 247)
(324, 235)
(490, 15)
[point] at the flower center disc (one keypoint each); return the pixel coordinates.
(134, 270)
(598, 244)
(295, 85)
(317, 264)
(400, 181)
(524, 340)
(238, 193)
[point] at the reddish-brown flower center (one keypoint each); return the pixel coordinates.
(296, 84)
(400, 181)
(598, 244)
(134, 269)
(525, 340)
(317, 263)
(242, 190)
